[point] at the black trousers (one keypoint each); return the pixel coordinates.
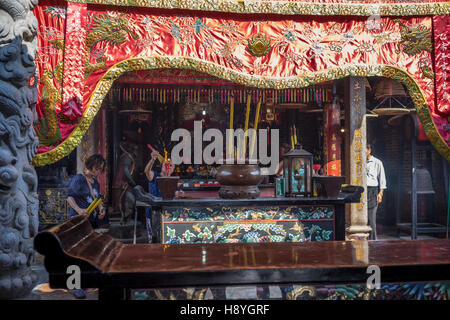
(96, 222)
(372, 207)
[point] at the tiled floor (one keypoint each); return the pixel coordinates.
(389, 233)
(42, 290)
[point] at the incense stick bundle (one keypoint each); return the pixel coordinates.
(258, 107)
(295, 135)
(292, 138)
(94, 205)
(230, 143)
(247, 115)
(88, 209)
(160, 157)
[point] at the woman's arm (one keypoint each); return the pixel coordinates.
(101, 207)
(101, 211)
(75, 207)
(279, 172)
(73, 191)
(148, 168)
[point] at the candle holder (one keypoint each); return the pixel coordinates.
(167, 186)
(328, 186)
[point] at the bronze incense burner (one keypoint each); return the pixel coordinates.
(239, 181)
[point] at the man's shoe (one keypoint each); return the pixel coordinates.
(102, 230)
(79, 294)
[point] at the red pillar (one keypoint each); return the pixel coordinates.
(332, 139)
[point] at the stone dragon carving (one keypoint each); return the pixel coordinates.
(18, 145)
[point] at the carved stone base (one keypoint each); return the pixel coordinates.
(19, 202)
(239, 192)
(358, 232)
(17, 284)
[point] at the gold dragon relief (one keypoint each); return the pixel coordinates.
(296, 292)
(47, 130)
(110, 28)
(414, 40)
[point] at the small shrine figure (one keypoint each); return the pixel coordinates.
(125, 181)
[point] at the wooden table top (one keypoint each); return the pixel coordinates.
(286, 255)
(268, 201)
(162, 265)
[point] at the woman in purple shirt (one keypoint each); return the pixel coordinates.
(83, 189)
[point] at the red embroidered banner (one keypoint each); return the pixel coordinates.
(50, 130)
(172, 77)
(295, 47)
(441, 25)
(74, 57)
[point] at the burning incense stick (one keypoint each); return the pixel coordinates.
(295, 135)
(160, 157)
(93, 205)
(292, 138)
(88, 209)
(166, 163)
(256, 127)
(247, 115)
(230, 144)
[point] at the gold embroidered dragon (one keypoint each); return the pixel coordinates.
(104, 28)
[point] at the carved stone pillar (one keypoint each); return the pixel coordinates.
(18, 144)
(355, 110)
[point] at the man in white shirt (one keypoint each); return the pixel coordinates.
(376, 184)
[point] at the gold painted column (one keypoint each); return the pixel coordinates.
(355, 109)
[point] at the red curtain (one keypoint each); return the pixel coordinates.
(441, 25)
(299, 45)
(50, 129)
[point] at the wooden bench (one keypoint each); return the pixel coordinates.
(115, 268)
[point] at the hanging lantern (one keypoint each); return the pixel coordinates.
(138, 114)
(270, 115)
(389, 94)
(297, 172)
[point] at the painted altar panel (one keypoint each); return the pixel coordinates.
(248, 224)
(291, 52)
(387, 291)
(53, 207)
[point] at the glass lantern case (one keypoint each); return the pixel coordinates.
(297, 172)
